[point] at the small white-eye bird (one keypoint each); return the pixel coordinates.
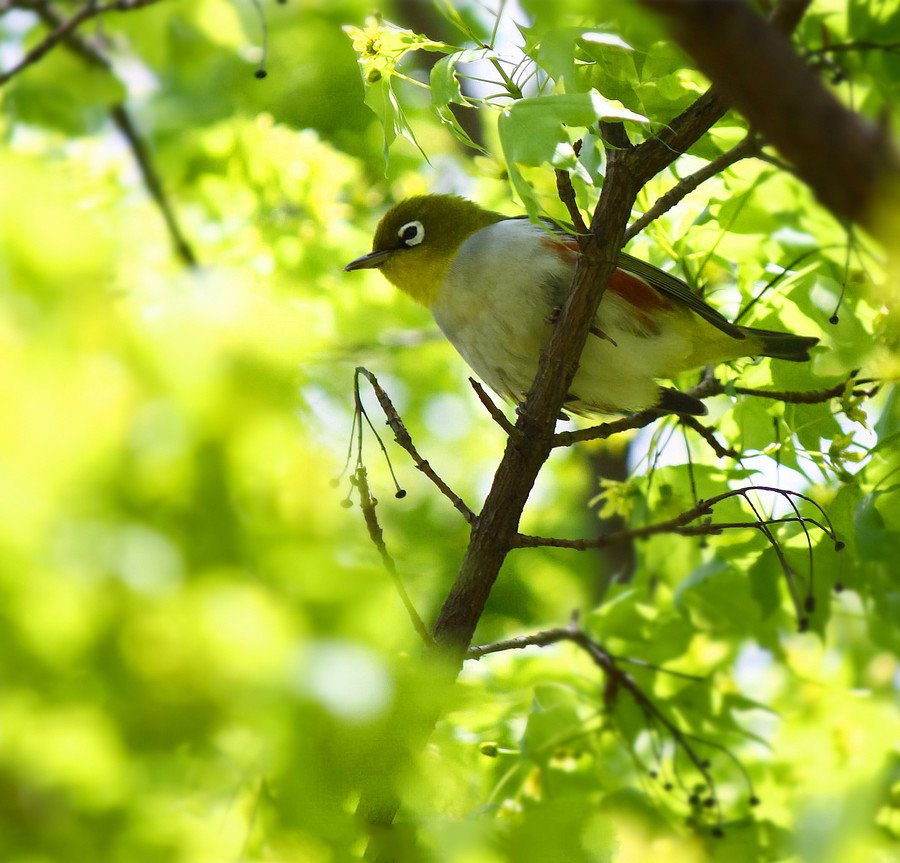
(494, 283)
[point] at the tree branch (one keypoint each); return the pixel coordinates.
(494, 530)
(707, 434)
(63, 29)
(617, 679)
(681, 524)
(812, 397)
(497, 415)
(845, 159)
(402, 436)
(367, 504)
(92, 54)
(748, 147)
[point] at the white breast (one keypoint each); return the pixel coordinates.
(495, 307)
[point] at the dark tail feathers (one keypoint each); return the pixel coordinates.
(781, 346)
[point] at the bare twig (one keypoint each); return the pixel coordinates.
(566, 194)
(497, 415)
(707, 528)
(607, 429)
(367, 504)
(564, 633)
(707, 434)
(812, 397)
(858, 45)
(748, 147)
(709, 387)
(123, 121)
(92, 54)
(402, 436)
(617, 679)
(64, 28)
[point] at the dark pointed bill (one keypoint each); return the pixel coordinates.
(370, 261)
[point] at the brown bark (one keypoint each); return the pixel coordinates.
(845, 159)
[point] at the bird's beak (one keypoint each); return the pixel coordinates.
(370, 261)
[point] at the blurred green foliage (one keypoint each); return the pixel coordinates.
(202, 658)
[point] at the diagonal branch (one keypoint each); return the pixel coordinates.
(748, 147)
(64, 28)
(844, 158)
(121, 117)
(367, 504)
(707, 434)
(403, 437)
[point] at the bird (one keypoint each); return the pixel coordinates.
(495, 284)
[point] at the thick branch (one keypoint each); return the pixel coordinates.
(494, 531)
(844, 158)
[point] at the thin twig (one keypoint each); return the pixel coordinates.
(90, 52)
(708, 387)
(860, 45)
(65, 27)
(747, 147)
(707, 434)
(806, 398)
(497, 415)
(681, 524)
(124, 123)
(617, 679)
(402, 436)
(566, 193)
(608, 429)
(367, 504)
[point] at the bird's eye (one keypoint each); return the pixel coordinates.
(412, 233)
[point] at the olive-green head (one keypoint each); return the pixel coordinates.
(417, 239)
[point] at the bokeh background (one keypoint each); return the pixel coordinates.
(201, 656)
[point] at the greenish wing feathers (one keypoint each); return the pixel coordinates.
(678, 290)
(662, 281)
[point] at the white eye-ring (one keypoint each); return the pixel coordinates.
(412, 233)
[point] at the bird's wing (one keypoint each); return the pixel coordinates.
(678, 290)
(667, 284)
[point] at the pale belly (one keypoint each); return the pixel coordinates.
(500, 323)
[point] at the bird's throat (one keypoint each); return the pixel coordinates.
(421, 279)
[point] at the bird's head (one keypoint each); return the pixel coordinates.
(417, 239)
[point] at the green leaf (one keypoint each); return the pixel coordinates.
(717, 597)
(534, 132)
(381, 99)
(548, 728)
(65, 93)
(445, 88)
(874, 541)
(556, 51)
